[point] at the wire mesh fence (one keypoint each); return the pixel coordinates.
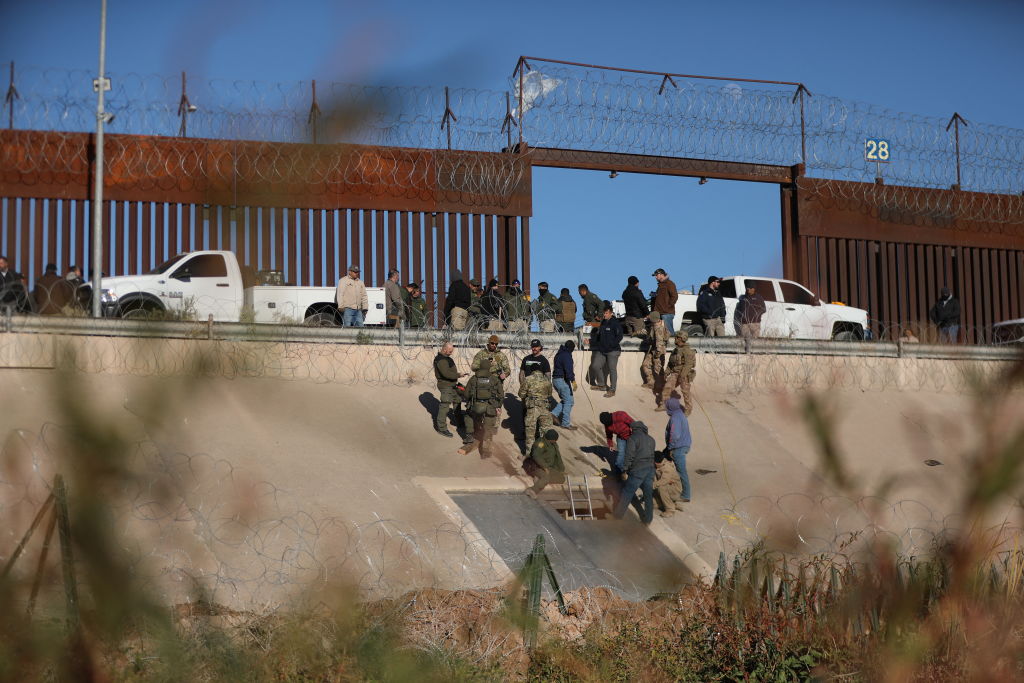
(563, 106)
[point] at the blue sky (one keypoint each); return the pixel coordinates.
(925, 57)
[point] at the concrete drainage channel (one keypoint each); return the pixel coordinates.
(636, 562)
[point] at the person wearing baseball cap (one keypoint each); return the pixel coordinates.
(351, 298)
(535, 361)
(711, 308)
(499, 361)
(665, 299)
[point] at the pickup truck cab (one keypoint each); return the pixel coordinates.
(792, 311)
(199, 284)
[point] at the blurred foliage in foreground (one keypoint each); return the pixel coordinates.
(768, 615)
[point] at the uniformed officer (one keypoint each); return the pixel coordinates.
(483, 406)
(447, 376)
(654, 346)
(545, 308)
(498, 360)
(544, 463)
(682, 369)
(535, 393)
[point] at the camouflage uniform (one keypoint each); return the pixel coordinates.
(682, 369)
(667, 487)
(483, 401)
(545, 308)
(498, 362)
(447, 377)
(535, 393)
(654, 346)
(592, 306)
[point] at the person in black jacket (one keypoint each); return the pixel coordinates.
(605, 350)
(946, 315)
(12, 290)
(711, 308)
(457, 303)
(636, 306)
(492, 303)
(749, 310)
(564, 381)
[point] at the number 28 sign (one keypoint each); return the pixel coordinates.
(876, 149)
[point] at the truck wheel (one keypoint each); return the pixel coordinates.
(138, 308)
(694, 330)
(321, 319)
(846, 336)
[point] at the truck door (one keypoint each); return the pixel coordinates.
(200, 286)
(805, 315)
(773, 321)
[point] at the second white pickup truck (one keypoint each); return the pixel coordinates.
(792, 311)
(204, 283)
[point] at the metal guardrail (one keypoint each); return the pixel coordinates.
(107, 327)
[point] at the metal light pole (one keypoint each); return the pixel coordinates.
(100, 85)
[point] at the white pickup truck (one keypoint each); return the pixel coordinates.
(203, 283)
(792, 311)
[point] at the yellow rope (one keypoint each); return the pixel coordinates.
(721, 451)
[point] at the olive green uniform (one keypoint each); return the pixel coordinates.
(682, 369)
(547, 466)
(517, 308)
(417, 316)
(447, 376)
(498, 360)
(654, 346)
(667, 487)
(545, 308)
(535, 393)
(592, 306)
(483, 401)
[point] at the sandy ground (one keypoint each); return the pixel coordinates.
(338, 459)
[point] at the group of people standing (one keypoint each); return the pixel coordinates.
(659, 477)
(52, 294)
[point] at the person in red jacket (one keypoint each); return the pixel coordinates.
(617, 424)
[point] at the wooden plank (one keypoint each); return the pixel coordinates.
(430, 282)
(452, 235)
(278, 229)
(303, 253)
(51, 231)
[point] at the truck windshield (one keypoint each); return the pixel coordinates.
(166, 265)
